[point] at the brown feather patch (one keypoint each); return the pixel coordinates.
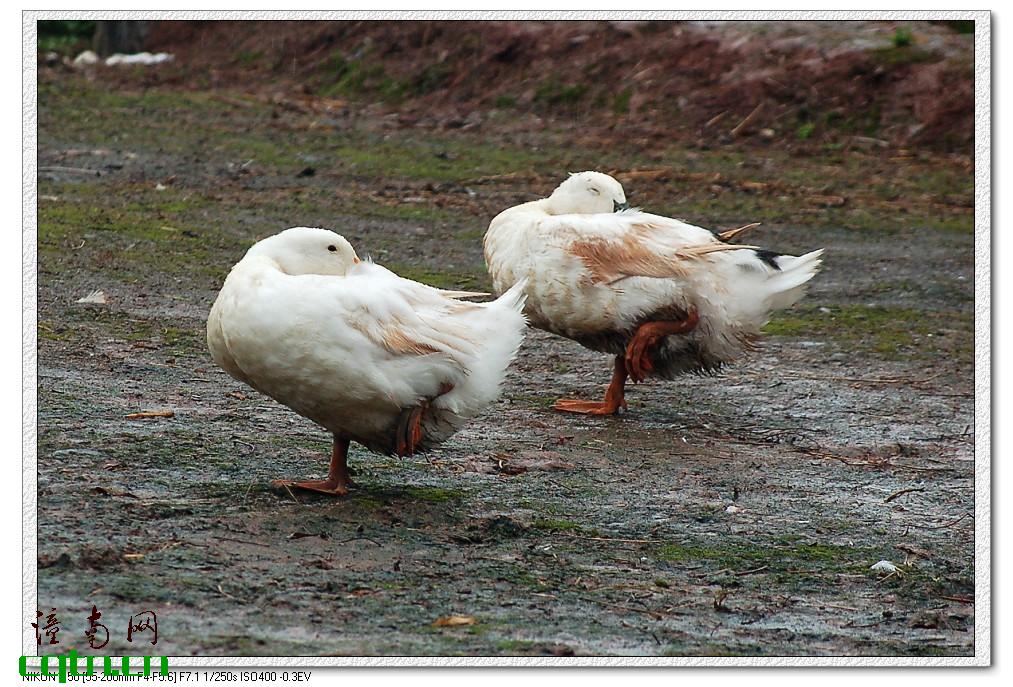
(610, 261)
(396, 341)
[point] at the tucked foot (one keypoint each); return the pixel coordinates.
(638, 357)
(409, 432)
(646, 339)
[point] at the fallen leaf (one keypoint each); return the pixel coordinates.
(454, 621)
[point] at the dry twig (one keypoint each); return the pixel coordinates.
(149, 413)
(900, 493)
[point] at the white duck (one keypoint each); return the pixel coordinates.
(663, 296)
(392, 364)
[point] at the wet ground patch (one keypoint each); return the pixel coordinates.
(729, 515)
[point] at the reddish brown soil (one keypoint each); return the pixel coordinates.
(687, 80)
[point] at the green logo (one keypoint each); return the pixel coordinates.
(67, 665)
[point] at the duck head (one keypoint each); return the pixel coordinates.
(307, 250)
(587, 193)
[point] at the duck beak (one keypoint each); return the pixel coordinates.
(616, 206)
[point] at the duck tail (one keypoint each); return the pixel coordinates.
(514, 297)
(788, 284)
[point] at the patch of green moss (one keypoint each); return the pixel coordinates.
(64, 37)
(555, 93)
(471, 235)
(434, 494)
(432, 77)
(900, 55)
(533, 400)
(551, 525)
(103, 323)
(505, 101)
(902, 37)
(887, 331)
(824, 557)
(54, 331)
(359, 77)
(621, 101)
(248, 58)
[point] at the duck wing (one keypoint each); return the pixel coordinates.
(616, 246)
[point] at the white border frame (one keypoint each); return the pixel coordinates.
(982, 304)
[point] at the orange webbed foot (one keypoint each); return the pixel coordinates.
(328, 487)
(338, 480)
(614, 396)
(569, 405)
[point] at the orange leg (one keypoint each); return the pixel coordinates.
(338, 481)
(409, 427)
(614, 396)
(647, 336)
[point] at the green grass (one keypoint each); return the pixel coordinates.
(357, 78)
(443, 279)
(777, 559)
(887, 331)
(551, 525)
(434, 494)
(505, 101)
(64, 36)
(621, 101)
(87, 325)
(902, 37)
(166, 123)
(128, 232)
(901, 55)
(554, 93)
(248, 58)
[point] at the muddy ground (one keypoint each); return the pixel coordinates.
(732, 515)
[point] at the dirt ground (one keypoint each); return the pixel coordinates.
(731, 515)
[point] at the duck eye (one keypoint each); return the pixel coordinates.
(593, 190)
(332, 248)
